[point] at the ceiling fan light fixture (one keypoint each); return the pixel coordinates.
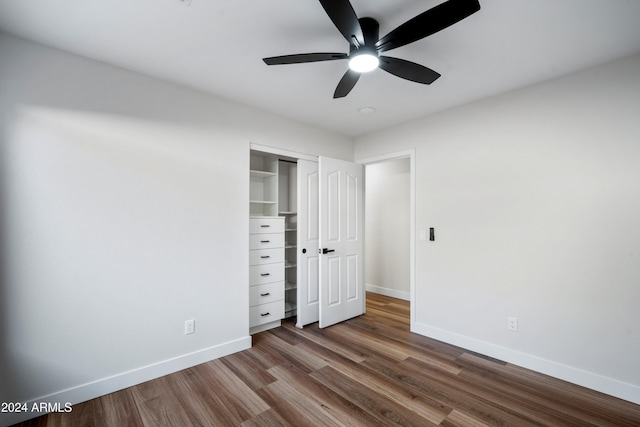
(364, 62)
(365, 44)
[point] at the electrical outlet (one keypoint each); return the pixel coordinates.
(189, 327)
(512, 324)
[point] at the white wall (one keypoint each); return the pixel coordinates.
(387, 228)
(124, 213)
(535, 198)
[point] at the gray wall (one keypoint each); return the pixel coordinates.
(124, 213)
(535, 197)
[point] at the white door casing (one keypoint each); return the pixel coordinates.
(341, 188)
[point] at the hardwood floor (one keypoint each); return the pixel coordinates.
(368, 371)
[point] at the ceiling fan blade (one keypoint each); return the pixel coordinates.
(344, 18)
(408, 70)
(304, 57)
(347, 82)
(427, 23)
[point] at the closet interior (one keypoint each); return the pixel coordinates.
(273, 257)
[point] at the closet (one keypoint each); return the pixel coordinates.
(291, 275)
(274, 252)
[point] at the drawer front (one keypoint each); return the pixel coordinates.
(263, 294)
(267, 273)
(266, 225)
(265, 313)
(266, 256)
(266, 241)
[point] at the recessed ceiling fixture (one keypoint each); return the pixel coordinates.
(365, 46)
(366, 110)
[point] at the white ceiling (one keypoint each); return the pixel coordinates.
(216, 46)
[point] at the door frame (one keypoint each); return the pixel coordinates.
(281, 152)
(411, 155)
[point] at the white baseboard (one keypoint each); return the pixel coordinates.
(388, 292)
(610, 386)
(91, 390)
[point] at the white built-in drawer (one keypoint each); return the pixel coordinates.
(266, 241)
(265, 313)
(266, 256)
(266, 225)
(263, 294)
(266, 273)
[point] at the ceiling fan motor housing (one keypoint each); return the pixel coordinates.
(370, 29)
(363, 55)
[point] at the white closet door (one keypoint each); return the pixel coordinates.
(307, 245)
(342, 294)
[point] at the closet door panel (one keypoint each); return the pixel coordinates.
(341, 281)
(308, 232)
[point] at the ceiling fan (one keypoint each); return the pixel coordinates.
(365, 46)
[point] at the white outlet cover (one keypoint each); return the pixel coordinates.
(189, 327)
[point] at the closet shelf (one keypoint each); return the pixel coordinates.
(288, 286)
(261, 174)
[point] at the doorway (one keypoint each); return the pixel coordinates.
(387, 228)
(390, 225)
(321, 202)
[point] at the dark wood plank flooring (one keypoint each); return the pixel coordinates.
(368, 371)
